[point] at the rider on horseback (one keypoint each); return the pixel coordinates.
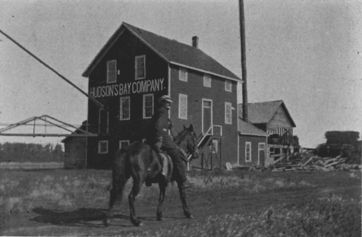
(139, 161)
(160, 139)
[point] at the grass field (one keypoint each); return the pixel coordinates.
(240, 203)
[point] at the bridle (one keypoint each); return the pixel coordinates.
(190, 150)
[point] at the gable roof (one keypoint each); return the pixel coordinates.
(76, 132)
(172, 51)
(246, 128)
(263, 112)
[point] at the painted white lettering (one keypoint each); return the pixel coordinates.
(92, 92)
(128, 91)
(148, 83)
(161, 80)
(136, 87)
(115, 88)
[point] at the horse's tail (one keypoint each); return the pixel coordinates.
(120, 175)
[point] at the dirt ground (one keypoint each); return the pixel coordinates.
(204, 202)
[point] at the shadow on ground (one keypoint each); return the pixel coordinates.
(84, 216)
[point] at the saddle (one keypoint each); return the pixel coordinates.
(165, 169)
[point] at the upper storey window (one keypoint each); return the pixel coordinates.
(148, 106)
(125, 108)
(111, 71)
(140, 67)
(183, 75)
(182, 106)
(228, 113)
(207, 81)
(228, 86)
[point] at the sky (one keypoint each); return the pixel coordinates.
(304, 52)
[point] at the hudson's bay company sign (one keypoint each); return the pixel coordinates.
(127, 88)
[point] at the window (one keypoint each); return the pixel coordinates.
(261, 146)
(148, 106)
(111, 71)
(228, 113)
(261, 151)
(183, 75)
(103, 147)
(182, 106)
(125, 109)
(207, 116)
(207, 81)
(228, 86)
(247, 151)
(140, 67)
(123, 144)
(215, 146)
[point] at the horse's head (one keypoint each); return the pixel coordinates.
(187, 140)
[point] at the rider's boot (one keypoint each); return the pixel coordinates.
(164, 163)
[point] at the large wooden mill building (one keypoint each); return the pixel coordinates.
(133, 69)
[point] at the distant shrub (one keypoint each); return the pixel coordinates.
(342, 137)
(25, 152)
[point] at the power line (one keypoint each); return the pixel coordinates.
(52, 69)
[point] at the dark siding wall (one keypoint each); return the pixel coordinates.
(254, 150)
(124, 51)
(75, 153)
(195, 91)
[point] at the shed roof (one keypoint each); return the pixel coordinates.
(79, 130)
(172, 51)
(246, 128)
(263, 112)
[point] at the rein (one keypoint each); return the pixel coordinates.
(180, 137)
(178, 140)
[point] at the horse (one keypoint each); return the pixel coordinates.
(141, 162)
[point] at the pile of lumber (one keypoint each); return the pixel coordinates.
(309, 162)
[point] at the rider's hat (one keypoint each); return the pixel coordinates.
(165, 98)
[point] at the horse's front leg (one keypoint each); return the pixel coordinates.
(182, 191)
(131, 199)
(161, 198)
(115, 196)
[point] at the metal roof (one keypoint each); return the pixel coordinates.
(172, 51)
(263, 112)
(246, 128)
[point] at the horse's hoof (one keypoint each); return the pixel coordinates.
(189, 215)
(106, 222)
(137, 223)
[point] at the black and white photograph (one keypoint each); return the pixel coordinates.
(180, 118)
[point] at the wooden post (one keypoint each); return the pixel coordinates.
(243, 61)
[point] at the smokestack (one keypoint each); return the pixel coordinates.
(243, 61)
(195, 41)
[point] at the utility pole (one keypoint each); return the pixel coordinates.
(243, 61)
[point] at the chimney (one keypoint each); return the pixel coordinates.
(195, 41)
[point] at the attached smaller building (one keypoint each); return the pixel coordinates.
(275, 121)
(252, 145)
(75, 147)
